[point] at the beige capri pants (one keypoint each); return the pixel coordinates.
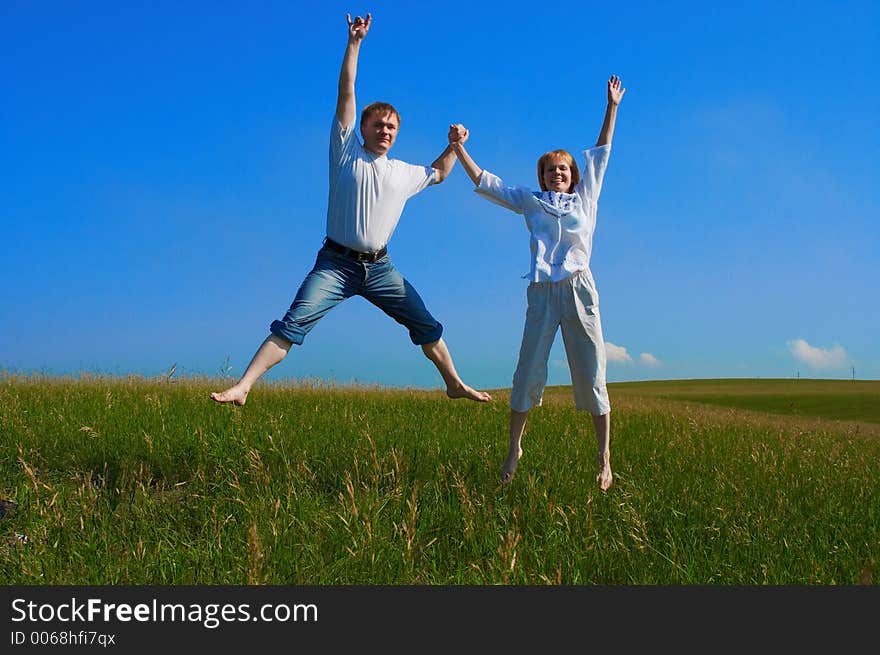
(573, 304)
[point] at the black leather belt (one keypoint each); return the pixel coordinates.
(356, 255)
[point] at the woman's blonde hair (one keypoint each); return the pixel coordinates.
(559, 154)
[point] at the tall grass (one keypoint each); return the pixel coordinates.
(133, 481)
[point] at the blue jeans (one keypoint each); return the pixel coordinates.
(336, 277)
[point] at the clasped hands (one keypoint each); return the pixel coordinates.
(458, 134)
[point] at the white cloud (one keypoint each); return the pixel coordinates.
(814, 357)
(616, 353)
(649, 360)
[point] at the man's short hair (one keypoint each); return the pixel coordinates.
(381, 108)
(559, 154)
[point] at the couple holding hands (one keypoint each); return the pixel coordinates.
(368, 191)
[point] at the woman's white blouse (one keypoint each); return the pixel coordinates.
(561, 224)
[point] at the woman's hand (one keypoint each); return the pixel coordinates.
(615, 93)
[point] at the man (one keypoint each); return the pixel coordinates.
(367, 195)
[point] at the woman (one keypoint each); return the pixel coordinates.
(561, 219)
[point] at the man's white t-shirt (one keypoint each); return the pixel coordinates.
(367, 191)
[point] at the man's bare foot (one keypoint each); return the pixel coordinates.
(603, 461)
(509, 467)
(464, 391)
(237, 395)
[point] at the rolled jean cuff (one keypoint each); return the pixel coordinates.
(293, 335)
(424, 338)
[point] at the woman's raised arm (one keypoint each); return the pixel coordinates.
(615, 95)
(458, 134)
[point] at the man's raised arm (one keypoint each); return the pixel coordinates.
(345, 103)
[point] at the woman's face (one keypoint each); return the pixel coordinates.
(557, 175)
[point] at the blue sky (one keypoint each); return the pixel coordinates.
(164, 178)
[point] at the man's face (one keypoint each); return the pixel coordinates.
(379, 132)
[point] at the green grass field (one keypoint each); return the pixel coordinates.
(133, 481)
(831, 399)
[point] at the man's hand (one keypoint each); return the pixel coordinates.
(615, 93)
(346, 109)
(358, 28)
(458, 134)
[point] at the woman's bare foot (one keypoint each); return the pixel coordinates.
(604, 478)
(464, 391)
(509, 467)
(237, 395)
